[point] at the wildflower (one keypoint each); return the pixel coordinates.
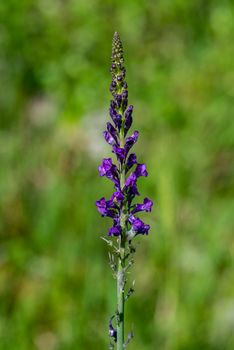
(124, 174)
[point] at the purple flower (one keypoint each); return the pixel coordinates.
(116, 117)
(101, 206)
(109, 170)
(115, 231)
(109, 138)
(120, 153)
(117, 197)
(128, 119)
(112, 131)
(141, 170)
(138, 226)
(133, 191)
(106, 208)
(146, 206)
(106, 166)
(132, 160)
(130, 141)
(131, 180)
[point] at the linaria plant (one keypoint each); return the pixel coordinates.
(124, 173)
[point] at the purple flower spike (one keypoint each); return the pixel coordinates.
(116, 136)
(124, 173)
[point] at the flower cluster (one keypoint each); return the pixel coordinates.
(125, 174)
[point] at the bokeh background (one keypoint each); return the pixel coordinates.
(56, 288)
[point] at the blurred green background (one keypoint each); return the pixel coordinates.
(56, 288)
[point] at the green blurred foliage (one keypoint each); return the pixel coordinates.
(56, 289)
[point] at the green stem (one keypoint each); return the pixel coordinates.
(121, 265)
(120, 305)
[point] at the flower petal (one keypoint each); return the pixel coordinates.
(132, 159)
(131, 180)
(120, 153)
(117, 197)
(128, 119)
(130, 141)
(141, 170)
(115, 231)
(146, 206)
(107, 208)
(138, 226)
(109, 138)
(105, 166)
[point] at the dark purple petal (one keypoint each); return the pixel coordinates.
(125, 100)
(113, 84)
(101, 206)
(128, 119)
(109, 170)
(131, 180)
(115, 231)
(120, 153)
(106, 208)
(113, 178)
(133, 191)
(132, 159)
(109, 138)
(130, 141)
(118, 100)
(117, 196)
(111, 130)
(138, 226)
(141, 170)
(146, 206)
(116, 117)
(113, 104)
(106, 166)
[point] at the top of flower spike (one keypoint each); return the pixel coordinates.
(117, 49)
(116, 136)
